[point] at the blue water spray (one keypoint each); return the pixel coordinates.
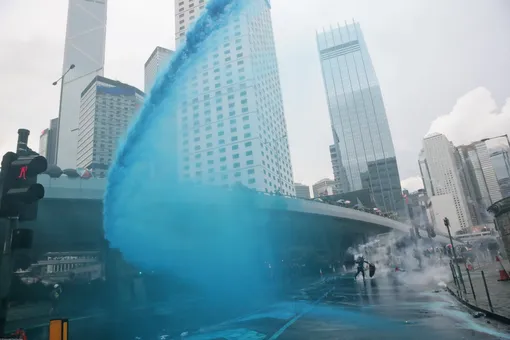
(213, 238)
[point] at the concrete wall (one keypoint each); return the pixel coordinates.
(73, 188)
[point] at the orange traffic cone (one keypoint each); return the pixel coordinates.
(503, 275)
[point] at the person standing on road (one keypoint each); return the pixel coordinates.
(361, 267)
(55, 298)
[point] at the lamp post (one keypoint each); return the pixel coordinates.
(455, 261)
(61, 80)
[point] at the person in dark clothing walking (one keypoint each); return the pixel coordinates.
(361, 267)
(55, 298)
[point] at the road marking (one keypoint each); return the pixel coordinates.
(297, 317)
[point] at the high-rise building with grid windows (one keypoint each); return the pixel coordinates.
(107, 108)
(156, 63)
(231, 123)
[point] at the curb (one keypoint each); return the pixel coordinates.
(495, 316)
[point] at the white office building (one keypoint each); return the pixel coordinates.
(302, 190)
(324, 187)
(107, 108)
(85, 48)
(445, 180)
(231, 121)
(156, 63)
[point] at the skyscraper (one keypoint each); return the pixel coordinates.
(159, 59)
(48, 142)
(482, 177)
(363, 148)
(85, 48)
(231, 124)
(107, 107)
(500, 159)
(448, 194)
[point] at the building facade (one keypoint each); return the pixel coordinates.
(85, 48)
(302, 190)
(363, 147)
(445, 179)
(501, 162)
(231, 123)
(417, 203)
(43, 143)
(324, 187)
(107, 108)
(48, 142)
(156, 63)
(481, 175)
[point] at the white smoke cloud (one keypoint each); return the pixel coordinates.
(475, 116)
(412, 183)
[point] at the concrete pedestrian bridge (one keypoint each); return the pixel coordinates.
(70, 218)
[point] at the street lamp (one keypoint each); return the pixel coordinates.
(278, 159)
(61, 80)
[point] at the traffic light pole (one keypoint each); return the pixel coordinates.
(6, 272)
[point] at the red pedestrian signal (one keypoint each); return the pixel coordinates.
(19, 188)
(23, 172)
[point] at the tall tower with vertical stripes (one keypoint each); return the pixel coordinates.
(363, 156)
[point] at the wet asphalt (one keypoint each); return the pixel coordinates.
(384, 307)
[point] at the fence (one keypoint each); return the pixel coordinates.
(485, 287)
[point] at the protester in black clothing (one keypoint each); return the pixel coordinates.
(361, 267)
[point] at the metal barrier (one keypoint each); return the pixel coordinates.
(488, 292)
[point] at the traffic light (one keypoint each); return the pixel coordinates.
(19, 190)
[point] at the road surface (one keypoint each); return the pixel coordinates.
(340, 308)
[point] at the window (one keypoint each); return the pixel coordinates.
(251, 181)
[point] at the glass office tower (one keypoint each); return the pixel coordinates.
(364, 156)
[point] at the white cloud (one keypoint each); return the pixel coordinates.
(475, 116)
(412, 183)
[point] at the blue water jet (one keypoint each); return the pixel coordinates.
(210, 237)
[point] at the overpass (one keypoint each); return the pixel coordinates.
(85, 195)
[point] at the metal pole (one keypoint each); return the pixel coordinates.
(471, 283)
(461, 279)
(6, 272)
(455, 281)
(487, 292)
(61, 79)
(59, 117)
(447, 224)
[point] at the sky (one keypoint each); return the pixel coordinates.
(443, 66)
